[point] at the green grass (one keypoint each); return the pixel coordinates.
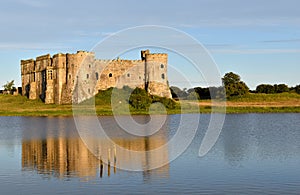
(268, 103)
(21, 106)
(236, 110)
(261, 97)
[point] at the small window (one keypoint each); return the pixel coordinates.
(70, 76)
(163, 76)
(110, 75)
(89, 66)
(50, 74)
(162, 66)
(140, 77)
(89, 90)
(87, 76)
(97, 76)
(128, 75)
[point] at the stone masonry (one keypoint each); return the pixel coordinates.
(58, 79)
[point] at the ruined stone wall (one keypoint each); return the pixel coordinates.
(56, 79)
(133, 76)
(118, 73)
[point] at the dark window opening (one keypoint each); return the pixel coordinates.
(110, 75)
(89, 66)
(162, 66)
(87, 76)
(163, 76)
(89, 90)
(128, 75)
(97, 76)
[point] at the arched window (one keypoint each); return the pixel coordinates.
(110, 75)
(97, 76)
(128, 75)
(162, 66)
(87, 76)
(163, 76)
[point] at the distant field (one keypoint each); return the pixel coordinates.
(256, 103)
(263, 100)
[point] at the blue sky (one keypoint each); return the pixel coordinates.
(259, 40)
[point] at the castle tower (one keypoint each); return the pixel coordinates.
(156, 81)
(79, 68)
(59, 66)
(46, 78)
(28, 78)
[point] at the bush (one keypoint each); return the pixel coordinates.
(168, 103)
(139, 99)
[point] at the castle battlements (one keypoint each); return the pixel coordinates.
(54, 79)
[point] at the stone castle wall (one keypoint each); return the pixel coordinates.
(55, 79)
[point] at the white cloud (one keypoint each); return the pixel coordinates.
(254, 51)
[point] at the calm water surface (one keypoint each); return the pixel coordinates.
(255, 154)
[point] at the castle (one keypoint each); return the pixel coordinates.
(72, 78)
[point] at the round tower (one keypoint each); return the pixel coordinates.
(156, 80)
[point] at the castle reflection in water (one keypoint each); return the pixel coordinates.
(53, 148)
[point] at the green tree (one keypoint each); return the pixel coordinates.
(178, 93)
(297, 89)
(231, 78)
(270, 89)
(233, 85)
(265, 88)
(9, 86)
(281, 88)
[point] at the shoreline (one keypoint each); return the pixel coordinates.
(21, 106)
(203, 110)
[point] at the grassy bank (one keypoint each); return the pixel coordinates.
(251, 103)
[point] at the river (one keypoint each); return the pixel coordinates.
(254, 154)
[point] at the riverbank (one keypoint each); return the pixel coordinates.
(252, 103)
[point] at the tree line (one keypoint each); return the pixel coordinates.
(233, 86)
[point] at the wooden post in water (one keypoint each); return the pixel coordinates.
(108, 160)
(115, 159)
(101, 167)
